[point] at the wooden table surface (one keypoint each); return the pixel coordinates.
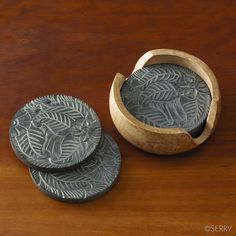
(75, 48)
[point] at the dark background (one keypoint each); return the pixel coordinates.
(75, 48)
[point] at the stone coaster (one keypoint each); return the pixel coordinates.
(55, 132)
(167, 96)
(90, 180)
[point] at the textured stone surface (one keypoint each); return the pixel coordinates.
(55, 132)
(167, 96)
(88, 181)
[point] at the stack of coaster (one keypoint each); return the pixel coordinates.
(168, 96)
(61, 141)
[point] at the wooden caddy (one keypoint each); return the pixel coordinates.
(164, 140)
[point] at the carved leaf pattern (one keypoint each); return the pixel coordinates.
(55, 131)
(90, 179)
(167, 95)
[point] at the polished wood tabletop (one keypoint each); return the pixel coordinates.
(75, 48)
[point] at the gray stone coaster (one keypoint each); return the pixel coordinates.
(55, 132)
(90, 180)
(167, 96)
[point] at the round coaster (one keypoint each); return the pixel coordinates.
(167, 96)
(90, 180)
(55, 132)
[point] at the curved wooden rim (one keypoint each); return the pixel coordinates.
(180, 58)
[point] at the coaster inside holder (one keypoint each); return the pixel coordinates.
(166, 137)
(167, 96)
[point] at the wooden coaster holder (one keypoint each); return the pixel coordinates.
(164, 140)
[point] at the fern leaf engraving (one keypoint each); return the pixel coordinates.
(167, 96)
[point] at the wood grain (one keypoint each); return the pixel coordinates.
(75, 48)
